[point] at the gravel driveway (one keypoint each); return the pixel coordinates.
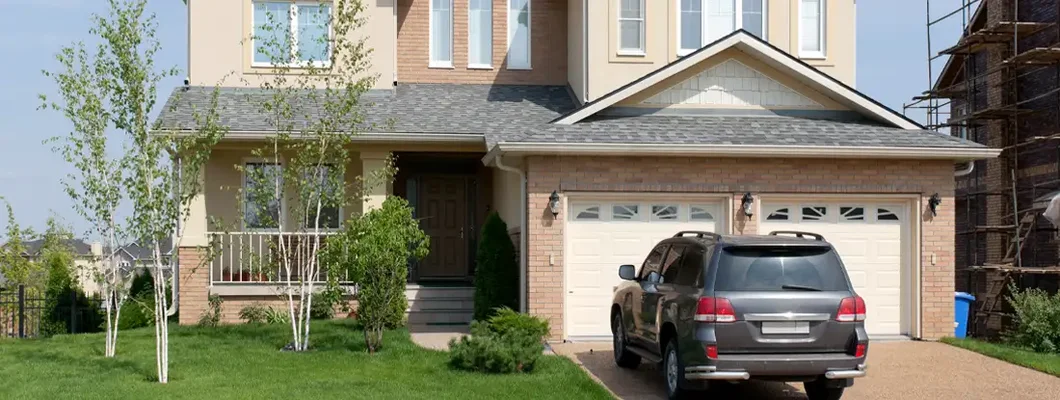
(897, 370)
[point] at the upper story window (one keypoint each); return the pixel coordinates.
(480, 33)
(811, 28)
(441, 32)
(631, 27)
(703, 21)
(518, 34)
(291, 33)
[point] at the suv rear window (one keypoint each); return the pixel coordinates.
(771, 269)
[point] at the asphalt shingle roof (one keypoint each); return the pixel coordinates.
(737, 130)
(520, 113)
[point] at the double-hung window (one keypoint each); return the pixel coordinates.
(328, 180)
(701, 22)
(811, 28)
(518, 34)
(262, 187)
(631, 27)
(480, 34)
(441, 34)
(291, 33)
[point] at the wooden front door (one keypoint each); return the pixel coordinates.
(443, 215)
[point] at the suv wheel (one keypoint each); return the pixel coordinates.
(673, 371)
(623, 357)
(819, 390)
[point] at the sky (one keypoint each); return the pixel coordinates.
(891, 67)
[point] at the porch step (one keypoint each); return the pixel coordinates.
(440, 305)
(440, 317)
(417, 292)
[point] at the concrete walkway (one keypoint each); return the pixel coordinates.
(897, 370)
(436, 337)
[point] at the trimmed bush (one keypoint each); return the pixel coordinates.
(1037, 320)
(67, 310)
(496, 269)
(254, 314)
(508, 342)
(211, 317)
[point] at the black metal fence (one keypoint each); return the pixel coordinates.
(24, 314)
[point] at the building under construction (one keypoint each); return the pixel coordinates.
(1000, 86)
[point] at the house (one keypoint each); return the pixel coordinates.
(87, 260)
(140, 255)
(596, 128)
(999, 87)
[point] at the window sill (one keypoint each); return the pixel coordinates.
(682, 53)
(813, 56)
(484, 67)
(511, 68)
(632, 53)
(440, 65)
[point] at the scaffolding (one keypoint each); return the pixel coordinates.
(976, 96)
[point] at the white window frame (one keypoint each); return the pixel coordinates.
(243, 186)
(738, 16)
(430, 36)
(822, 17)
(471, 65)
(529, 35)
(643, 30)
(292, 13)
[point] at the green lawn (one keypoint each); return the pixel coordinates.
(1047, 363)
(244, 362)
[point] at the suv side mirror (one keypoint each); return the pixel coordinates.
(627, 272)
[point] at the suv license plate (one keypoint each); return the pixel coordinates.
(785, 328)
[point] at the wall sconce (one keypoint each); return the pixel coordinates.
(933, 204)
(553, 203)
(747, 203)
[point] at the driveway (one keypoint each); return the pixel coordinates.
(897, 370)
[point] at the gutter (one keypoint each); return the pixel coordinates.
(752, 151)
(523, 237)
(966, 171)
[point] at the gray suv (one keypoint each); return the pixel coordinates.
(709, 307)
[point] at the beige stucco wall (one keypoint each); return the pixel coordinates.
(506, 192)
(576, 48)
(220, 49)
(608, 70)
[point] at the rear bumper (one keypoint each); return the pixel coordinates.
(743, 367)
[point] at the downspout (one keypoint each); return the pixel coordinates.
(523, 237)
(965, 172)
(174, 252)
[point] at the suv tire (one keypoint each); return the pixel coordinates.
(673, 371)
(623, 357)
(818, 390)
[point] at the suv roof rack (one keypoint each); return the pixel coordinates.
(699, 234)
(798, 234)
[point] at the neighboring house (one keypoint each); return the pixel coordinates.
(87, 260)
(140, 255)
(596, 128)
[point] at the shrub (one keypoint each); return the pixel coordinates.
(1037, 320)
(376, 247)
(274, 316)
(139, 309)
(508, 342)
(67, 310)
(496, 269)
(254, 314)
(211, 317)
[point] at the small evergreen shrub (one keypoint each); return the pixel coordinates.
(508, 342)
(1037, 320)
(255, 313)
(496, 269)
(211, 317)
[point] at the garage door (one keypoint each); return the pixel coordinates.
(602, 235)
(872, 239)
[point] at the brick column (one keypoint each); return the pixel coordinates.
(194, 288)
(997, 174)
(937, 268)
(741, 223)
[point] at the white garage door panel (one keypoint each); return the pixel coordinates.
(597, 243)
(873, 245)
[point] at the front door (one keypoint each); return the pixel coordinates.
(443, 216)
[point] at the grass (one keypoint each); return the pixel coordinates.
(1047, 363)
(244, 362)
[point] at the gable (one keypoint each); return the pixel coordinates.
(731, 83)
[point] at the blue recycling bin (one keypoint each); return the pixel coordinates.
(962, 305)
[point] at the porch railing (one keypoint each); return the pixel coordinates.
(255, 257)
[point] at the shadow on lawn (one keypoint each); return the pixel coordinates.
(98, 362)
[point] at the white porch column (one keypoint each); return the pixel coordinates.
(194, 225)
(371, 163)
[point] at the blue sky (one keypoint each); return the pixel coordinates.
(891, 67)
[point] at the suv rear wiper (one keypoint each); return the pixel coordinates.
(800, 287)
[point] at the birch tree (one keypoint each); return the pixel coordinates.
(313, 105)
(96, 185)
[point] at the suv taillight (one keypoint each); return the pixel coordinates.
(851, 309)
(715, 309)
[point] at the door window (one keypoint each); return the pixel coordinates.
(691, 268)
(649, 272)
(671, 264)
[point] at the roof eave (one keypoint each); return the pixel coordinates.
(362, 137)
(956, 154)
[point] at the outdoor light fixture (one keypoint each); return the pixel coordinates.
(747, 204)
(933, 204)
(553, 203)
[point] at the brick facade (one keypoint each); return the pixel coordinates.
(194, 287)
(548, 45)
(737, 176)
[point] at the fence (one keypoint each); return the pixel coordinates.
(27, 315)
